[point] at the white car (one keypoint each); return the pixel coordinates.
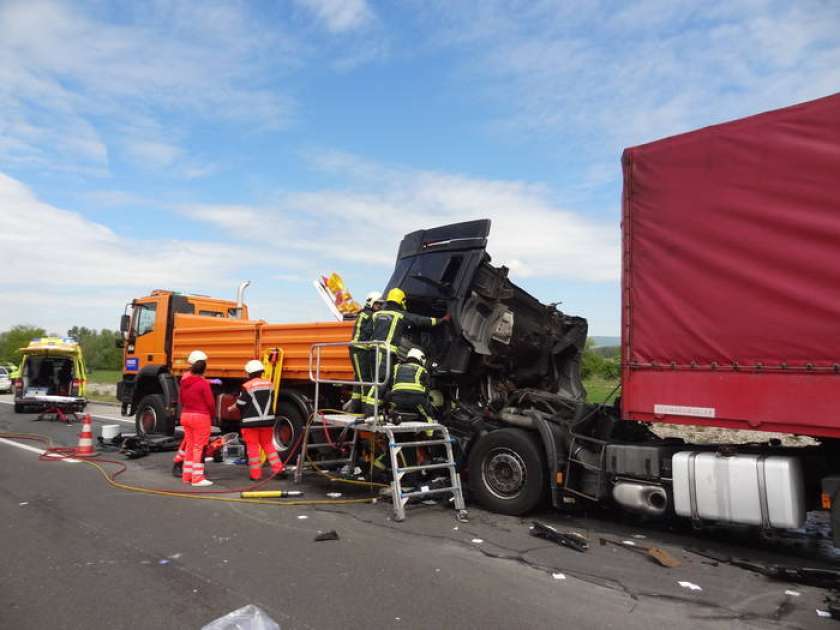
(5, 381)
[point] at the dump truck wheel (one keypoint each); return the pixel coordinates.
(507, 471)
(288, 426)
(151, 416)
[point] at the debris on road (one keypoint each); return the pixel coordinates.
(334, 495)
(477, 541)
(302, 517)
(330, 535)
(558, 576)
(657, 554)
(691, 586)
(573, 540)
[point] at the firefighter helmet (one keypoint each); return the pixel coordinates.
(417, 354)
(372, 298)
(254, 366)
(397, 295)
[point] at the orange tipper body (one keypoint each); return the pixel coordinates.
(161, 329)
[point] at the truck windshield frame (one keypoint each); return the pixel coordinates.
(144, 318)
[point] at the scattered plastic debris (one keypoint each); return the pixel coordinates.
(424, 488)
(248, 617)
(690, 585)
(477, 541)
(639, 536)
(455, 529)
(330, 535)
(302, 517)
(334, 495)
(23, 503)
(629, 543)
(793, 593)
(573, 540)
(175, 556)
(437, 570)
(823, 613)
(430, 502)
(558, 576)
(163, 561)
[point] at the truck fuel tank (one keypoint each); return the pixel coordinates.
(746, 488)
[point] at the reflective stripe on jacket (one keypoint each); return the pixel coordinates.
(363, 328)
(410, 377)
(389, 324)
(255, 403)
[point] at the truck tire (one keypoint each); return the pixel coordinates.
(288, 428)
(507, 471)
(19, 408)
(152, 417)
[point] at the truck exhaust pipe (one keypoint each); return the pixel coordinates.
(641, 497)
(240, 295)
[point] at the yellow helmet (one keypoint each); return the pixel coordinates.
(396, 295)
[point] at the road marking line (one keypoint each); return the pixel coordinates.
(39, 451)
(93, 415)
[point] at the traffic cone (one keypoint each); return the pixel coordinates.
(85, 447)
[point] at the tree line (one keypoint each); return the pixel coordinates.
(98, 346)
(601, 361)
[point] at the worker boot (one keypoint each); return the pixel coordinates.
(177, 469)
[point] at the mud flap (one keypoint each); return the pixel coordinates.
(553, 459)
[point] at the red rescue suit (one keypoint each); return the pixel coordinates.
(255, 404)
(197, 409)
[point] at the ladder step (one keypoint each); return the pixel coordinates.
(325, 445)
(418, 493)
(422, 443)
(424, 467)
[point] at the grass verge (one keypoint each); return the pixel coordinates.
(600, 390)
(105, 376)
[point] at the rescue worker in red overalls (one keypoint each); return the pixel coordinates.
(197, 410)
(255, 403)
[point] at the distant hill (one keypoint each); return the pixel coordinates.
(605, 342)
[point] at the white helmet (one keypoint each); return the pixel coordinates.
(253, 366)
(196, 356)
(372, 298)
(417, 353)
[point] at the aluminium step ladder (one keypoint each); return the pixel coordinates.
(377, 424)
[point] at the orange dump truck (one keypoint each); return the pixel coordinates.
(161, 329)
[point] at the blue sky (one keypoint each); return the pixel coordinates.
(189, 145)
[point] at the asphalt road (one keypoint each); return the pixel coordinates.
(78, 553)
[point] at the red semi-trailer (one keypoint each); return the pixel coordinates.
(731, 283)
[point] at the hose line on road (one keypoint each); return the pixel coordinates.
(52, 454)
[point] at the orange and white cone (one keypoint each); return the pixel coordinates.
(85, 447)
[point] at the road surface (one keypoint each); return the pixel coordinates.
(78, 553)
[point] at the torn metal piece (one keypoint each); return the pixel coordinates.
(572, 540)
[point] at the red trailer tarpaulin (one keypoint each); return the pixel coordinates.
(731, 274)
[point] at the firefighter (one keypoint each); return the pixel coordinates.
(197, 410)
(255, 404)
(360, 352)
(410, 386)
(389, 324)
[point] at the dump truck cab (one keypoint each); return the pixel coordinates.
(147, 328)
(52, 372)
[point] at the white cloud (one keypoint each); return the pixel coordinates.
(364, 221)
(74, 84)
(339, 16)
(60, 268)
(605, 76)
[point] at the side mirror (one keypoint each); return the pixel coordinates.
(125, 322)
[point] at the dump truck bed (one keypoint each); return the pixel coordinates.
(230, 343)
(731, 271)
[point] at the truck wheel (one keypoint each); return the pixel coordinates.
(288, 427)
(19, 408)
(507, 471)
(152, 416)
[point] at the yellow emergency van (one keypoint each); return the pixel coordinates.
(52, 374)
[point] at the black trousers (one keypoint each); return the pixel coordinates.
(362, 360)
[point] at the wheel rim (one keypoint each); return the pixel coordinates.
(284, 433)
(148, 420)
(504, 473)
